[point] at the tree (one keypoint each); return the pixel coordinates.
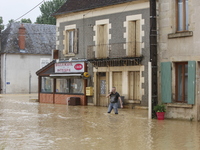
(47, 9)
(26, 20)
(11, 21)
(1, 23)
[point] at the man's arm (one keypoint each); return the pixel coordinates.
(108, 95)
(121, 102)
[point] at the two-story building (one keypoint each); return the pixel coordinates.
(25, 48)
(179, 57)
(112, 36)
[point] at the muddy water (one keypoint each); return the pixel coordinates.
(27, 125)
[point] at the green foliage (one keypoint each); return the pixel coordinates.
(11, 21)
(26, 20)
(1, 23)
(47, 9)
(159, 108)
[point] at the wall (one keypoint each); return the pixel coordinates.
(17, 69)
(116, 15)
(179, 49)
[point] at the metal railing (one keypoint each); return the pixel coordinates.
(115, 50)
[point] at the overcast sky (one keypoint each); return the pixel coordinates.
(13, 9)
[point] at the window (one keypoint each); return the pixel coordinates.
(102, 41)
(71, 42)
(182, 82)
(47, 85)
(134, 38)
(72, 86)
(182, 15)
(61, 86)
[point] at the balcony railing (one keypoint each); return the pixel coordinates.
(115, 50)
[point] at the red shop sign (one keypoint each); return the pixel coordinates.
(78, 66)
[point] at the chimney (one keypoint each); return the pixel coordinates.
(21, 36)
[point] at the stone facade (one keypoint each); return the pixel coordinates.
(175, 47)
(116, 17)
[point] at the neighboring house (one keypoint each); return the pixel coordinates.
(179, 57)
(113, 35)
(25, 49)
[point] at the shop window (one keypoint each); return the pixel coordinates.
(69, 86)
(182, 15)
(61, 86)
(182, 82)
(76, 86)
(47, 85)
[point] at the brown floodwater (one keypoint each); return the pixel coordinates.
(28, 125)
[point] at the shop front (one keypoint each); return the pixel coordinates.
(60, 81)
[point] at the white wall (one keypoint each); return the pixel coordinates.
(18, 70)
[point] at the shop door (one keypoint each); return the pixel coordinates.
(102, 100)
(134, 85)
(117, 81)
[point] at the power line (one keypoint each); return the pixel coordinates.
(29, 10)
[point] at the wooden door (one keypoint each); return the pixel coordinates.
(101, 99)
(117, 81)
(134, 85)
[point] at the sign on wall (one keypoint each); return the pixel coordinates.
(44, 62)
(69, 67)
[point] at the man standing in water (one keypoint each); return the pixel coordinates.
(114, 97)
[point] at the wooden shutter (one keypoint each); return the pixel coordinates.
(100, 41)
(131, 38)
(166, 81)
(191, 82)
(76, 33)
(105, 41)
(137, 39)
(134, 85)
(117, 81)
(66, 43)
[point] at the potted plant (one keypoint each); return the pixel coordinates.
(160, 111)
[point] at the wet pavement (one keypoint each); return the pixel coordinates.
(28, 125)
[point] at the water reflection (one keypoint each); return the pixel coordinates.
(29, 125)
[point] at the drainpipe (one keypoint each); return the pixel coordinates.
(30, 82)
(0, 62)
(5, 55)
(153, 54)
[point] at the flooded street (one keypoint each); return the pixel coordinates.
(28, 125)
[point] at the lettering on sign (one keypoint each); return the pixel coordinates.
(70, 67)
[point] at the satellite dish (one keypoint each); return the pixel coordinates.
(70, 59)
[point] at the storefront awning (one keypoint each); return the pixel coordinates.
(65, 75)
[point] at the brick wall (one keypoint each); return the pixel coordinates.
(46, 98)
(60, 98)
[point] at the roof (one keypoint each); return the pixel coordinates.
(45, 67)
(40, 38)
(80, 5)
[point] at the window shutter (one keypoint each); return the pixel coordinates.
(137, 39)
(132, 38)
(66, 43)
(76, 41)
(191, 81)
(166, 81)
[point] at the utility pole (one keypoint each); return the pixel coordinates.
(153, 53)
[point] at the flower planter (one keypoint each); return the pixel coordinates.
(160, 115)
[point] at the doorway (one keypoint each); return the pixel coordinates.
(117, 81)
(102, 87)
